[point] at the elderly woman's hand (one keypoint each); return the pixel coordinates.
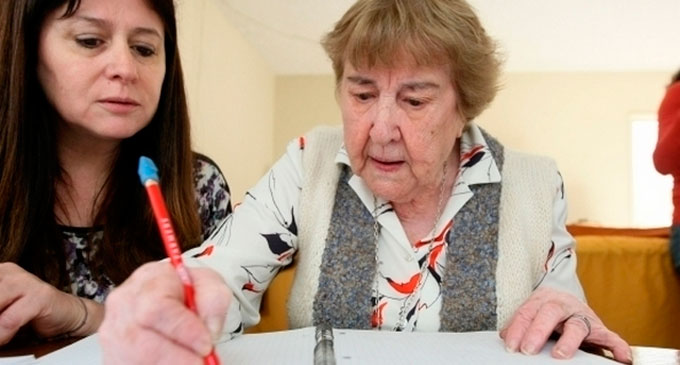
(27, 300)
(146, 321)
(547, 311)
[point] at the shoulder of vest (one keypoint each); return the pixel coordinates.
(516, 159)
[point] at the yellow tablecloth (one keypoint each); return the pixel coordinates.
(631, 285)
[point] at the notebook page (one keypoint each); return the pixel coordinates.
(353, 347)
(284, 347)
(478, 348)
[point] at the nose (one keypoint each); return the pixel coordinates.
(385, 126)
(121, 64)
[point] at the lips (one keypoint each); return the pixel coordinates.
(387, 165)
(119, 105)
(387, 162)
(117, 100)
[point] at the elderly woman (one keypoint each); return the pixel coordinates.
(410, 218)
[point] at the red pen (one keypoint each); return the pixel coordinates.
(148, 174)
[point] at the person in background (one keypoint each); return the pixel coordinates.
(88, 86)
(667, 156)
(409, 218)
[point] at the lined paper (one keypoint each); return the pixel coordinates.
(284, 347)
(478, 348)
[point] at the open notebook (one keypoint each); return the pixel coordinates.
(18, 360)
(353, 347)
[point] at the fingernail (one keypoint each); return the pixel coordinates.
(529, 349)
(511, 346)
(560, 353)
(215, 327)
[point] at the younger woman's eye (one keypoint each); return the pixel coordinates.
(89, 42)
(144, 51)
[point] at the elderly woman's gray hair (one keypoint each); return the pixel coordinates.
(427, 32)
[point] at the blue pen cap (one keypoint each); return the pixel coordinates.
(147, 170)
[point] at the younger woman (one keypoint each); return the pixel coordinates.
(88, 86)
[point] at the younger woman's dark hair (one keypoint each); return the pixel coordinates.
(29, 232)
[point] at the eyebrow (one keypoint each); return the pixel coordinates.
(420, 85)
(106, 24)
(360, 80)
(416, 85)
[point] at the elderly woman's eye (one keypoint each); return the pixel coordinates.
(363, 96)
(414, 102)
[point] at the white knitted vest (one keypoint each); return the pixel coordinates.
(524, 229)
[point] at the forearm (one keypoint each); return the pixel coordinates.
(247, 266)
(49, 311)
(258, 239)
(92, 318)
(559, 267)
(79, 317)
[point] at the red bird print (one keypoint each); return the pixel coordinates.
(207, 252)
(405, 288)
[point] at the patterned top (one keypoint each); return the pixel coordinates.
(261, 237)
(212, 197)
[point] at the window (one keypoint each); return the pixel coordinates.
(652, 204)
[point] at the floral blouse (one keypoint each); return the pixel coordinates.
(212, 197)
(260, 241)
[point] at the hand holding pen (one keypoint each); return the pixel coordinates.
(148, 174)
(147, 322)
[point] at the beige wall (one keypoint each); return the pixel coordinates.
(582, 120)
(301, 103)
(231, 94)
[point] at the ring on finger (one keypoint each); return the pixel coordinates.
(583, 319)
